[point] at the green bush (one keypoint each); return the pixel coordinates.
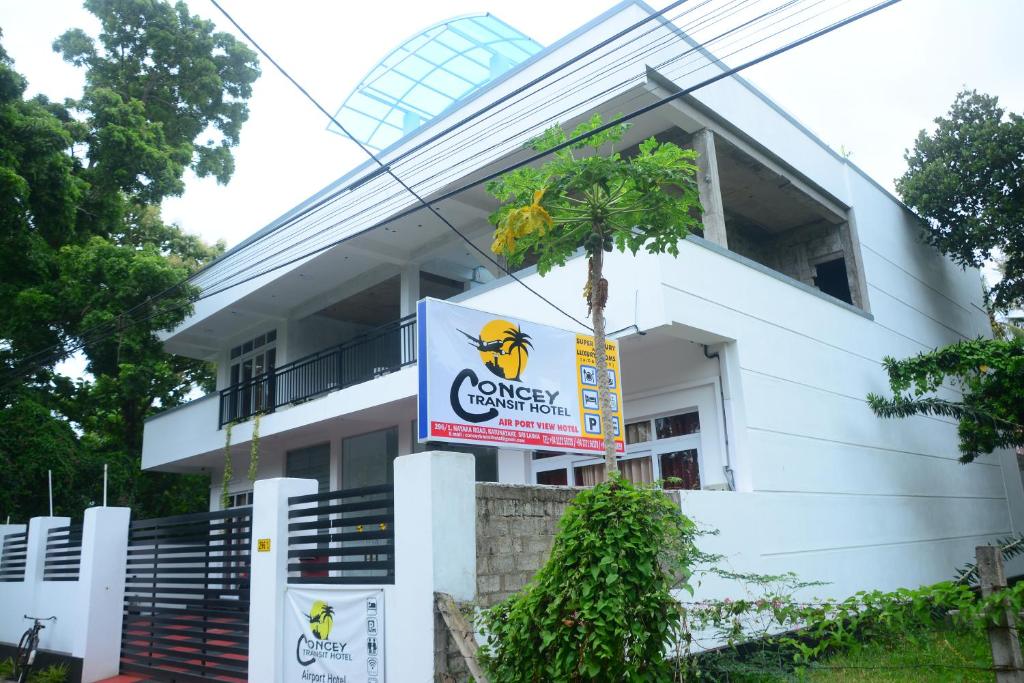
(57, 673)
(601, 609)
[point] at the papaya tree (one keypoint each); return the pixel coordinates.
(589, 196)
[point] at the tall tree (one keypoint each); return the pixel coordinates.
(82, 241)
(590, 196)
(159, 80)
(966, 180)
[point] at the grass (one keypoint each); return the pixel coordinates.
(943, 656)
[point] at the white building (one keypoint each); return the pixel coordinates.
(746, 360)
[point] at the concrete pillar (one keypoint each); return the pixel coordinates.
(101, 579)
(409, 290)
(709, 187)
(514, 466)
(269, 575)
(435, 551)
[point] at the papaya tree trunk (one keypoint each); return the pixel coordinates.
(598, 298)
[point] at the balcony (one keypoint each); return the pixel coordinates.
(382, 351)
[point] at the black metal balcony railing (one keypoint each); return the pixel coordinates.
(370, 355)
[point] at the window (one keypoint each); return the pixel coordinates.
(553, 477)
(665, 448)
(369, 459)
(637, 470)
(677, 425)
(250, 361)
(831, 278)
(680, 470)
(638, 432)
(237, 500)
(541, 455)
(312, 462)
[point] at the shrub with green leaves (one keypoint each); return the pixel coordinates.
(602, 608)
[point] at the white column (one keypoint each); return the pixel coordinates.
(514, 466)
(435, 551)
(410, 290)
(101, 579)
(269, 575)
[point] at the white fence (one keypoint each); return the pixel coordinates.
(88, 608)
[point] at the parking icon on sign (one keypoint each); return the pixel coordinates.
(591, 423)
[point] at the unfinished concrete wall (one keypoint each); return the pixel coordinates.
(515, 527)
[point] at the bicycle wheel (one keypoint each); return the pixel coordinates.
(22, 663)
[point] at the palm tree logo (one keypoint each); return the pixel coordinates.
(321, 619)
(503, 347)
(518, 342)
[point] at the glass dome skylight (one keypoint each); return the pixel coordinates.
(428, 73)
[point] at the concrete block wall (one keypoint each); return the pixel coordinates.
(515, 527)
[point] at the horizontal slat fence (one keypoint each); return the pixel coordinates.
(373, 354)
(186, 605)
(342, 537)
(12, 559)
(63, 553)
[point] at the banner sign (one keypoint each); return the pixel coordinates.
(494, 380)
(334, 636)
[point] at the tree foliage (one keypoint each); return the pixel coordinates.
(601, 608)
(82, 244)
(966, 179)
(158, 79)
(589, 196)
(989, 372)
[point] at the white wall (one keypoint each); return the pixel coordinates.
(89, 609)
(192, 429)
(316, 333)
(884, 495)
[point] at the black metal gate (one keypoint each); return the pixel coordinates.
(186, 603)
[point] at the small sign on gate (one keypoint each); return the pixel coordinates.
(334, 635)
(263, 545)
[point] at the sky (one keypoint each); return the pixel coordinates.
(866, 89)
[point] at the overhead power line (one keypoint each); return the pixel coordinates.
(423, 204)
(383, 207)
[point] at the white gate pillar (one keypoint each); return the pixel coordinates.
(268, 578)
(101, 580)
(435, 551)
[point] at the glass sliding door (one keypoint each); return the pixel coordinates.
(369, 459)
(312, 462)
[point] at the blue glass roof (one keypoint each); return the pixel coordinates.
(427, 74)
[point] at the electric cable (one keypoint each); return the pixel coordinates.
(711, 16)
(530, 159)
(388, 202)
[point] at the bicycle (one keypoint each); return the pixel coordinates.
(27, 648)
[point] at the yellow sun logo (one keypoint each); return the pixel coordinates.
(321, 620)
(503, 347)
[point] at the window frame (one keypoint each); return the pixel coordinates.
(652, 449)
